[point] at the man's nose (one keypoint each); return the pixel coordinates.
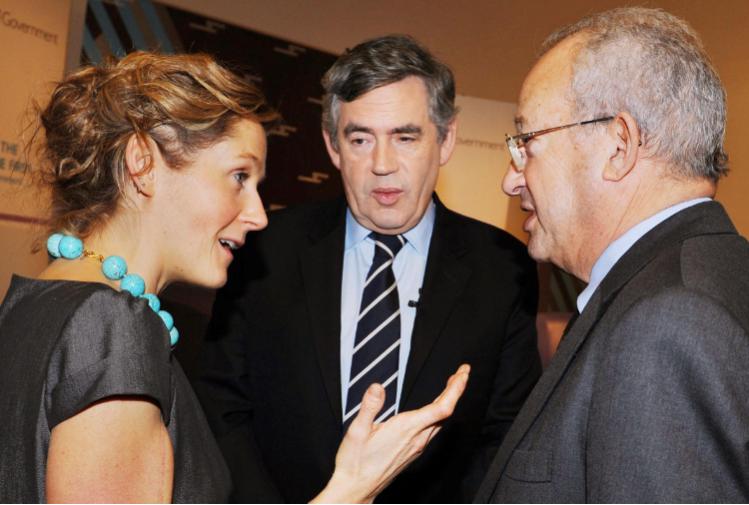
(384, 159)
(513, 181)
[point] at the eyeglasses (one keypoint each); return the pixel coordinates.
(516, 143)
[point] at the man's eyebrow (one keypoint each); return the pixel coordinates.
(356, 128)
(409, 128)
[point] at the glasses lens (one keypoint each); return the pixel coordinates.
(516, 153)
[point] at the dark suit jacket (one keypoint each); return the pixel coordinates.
(271, 386)
(647, 398)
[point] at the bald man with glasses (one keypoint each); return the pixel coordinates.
(646, 398)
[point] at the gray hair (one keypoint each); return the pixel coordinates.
(652, 64)
(382, 61)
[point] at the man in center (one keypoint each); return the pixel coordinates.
(386, 285)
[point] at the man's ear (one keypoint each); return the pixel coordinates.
(448, 143)
(335, 156)
(139, 164)
(626, 147)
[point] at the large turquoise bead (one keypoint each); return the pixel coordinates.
(174, 336)
(153, 301)
(167, 318)
(134, 284)
(71, 247)
(53, 244)
(114, 268)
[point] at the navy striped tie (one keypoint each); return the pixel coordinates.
(378, 330)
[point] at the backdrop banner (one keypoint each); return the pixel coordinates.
(471, 182)
(33, 37)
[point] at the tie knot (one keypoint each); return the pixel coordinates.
(387, 244)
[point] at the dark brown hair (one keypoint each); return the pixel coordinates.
(382, 61)
(183, 102)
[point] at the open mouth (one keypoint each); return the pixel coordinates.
(228, 244)
(387, 196)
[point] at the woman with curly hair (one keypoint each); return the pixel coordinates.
(152, 165)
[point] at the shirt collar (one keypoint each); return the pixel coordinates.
(618, 247)
(418, 237)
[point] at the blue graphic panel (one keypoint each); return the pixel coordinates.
(299, 169)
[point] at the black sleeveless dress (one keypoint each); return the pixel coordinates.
(65, 345)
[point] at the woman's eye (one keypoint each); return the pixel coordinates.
(241, 177)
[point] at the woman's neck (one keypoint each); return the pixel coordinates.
(115, 238)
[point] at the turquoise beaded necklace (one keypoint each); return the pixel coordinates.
(114, 268)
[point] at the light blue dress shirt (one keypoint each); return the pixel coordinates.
(618, 247)
(408, 268)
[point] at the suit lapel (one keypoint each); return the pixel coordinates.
(322, 270)
(701, 219)
(537, 399)
(444, 281)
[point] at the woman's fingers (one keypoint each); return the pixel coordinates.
(442, 407)
(432, 432)
(371, 404)
(371, 455)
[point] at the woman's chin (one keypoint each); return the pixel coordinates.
(216, 281)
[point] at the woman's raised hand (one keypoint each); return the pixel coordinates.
(371, 455)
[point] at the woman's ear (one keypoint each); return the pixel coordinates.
(139, 164)
(626, 147)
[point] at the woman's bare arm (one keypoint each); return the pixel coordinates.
(116, 450)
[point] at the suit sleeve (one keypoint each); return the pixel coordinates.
(517, 373)
(224, 391)
(669, 406)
